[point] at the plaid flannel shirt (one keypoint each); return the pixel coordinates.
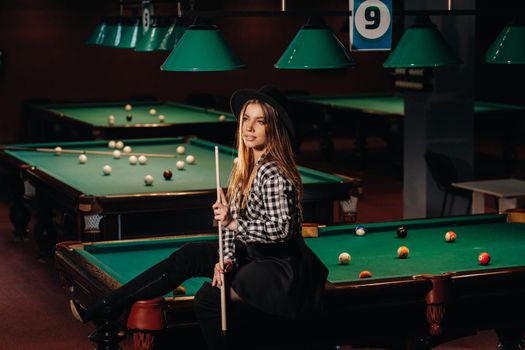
(271, 214)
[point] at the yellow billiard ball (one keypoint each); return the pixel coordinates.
(402, 252)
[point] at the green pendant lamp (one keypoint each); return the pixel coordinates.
(151, 40)
(315, 47)
(131, 33)
(509, 46)
(421, 46)
(202, 48)
(173, 35)
(97, 37)
(113, 33)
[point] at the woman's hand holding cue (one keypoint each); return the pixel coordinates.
(221, 213)
(218, 273)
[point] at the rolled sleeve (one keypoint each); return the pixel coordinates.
(229, 244)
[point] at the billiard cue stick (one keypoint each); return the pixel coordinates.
(224, 326)
(76, 151)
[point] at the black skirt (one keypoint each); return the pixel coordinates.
(282, 279)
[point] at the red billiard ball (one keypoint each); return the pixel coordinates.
(402, 252)
(167, 174)
(450, 236)
(484, 258)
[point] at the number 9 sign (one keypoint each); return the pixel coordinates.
(371, 24)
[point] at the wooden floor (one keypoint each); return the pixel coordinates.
(34, 310)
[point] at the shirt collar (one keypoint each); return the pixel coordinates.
(261, 158)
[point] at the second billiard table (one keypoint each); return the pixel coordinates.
(362, 116)
(438, 293)
(93, 206)
(89, 121)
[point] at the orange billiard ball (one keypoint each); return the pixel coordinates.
(450, 236)
(402, 252)
(484, 258)
(365, 274)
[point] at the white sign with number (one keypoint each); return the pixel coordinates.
(371, 25)
(147, 13)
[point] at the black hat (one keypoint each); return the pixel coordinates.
(269, 94)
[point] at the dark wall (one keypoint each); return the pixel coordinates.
(46, 57)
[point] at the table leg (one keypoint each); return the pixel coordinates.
(107, 337)
(510, 338)
(478, 202)
(20, 215)
(507, 203)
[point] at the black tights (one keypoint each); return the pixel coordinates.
(245, 324)
(191, 260)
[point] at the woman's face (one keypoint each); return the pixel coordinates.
(254, 127)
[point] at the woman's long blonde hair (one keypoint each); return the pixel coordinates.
(278, 149)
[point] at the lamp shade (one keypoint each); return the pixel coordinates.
(152, 38)
(173, 35)
(315, 47)
(131, 33)
(421, 46)
(113, 33)
(202, 48)
(97, 37)
(509, 46)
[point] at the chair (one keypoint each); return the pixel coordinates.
(444, 172)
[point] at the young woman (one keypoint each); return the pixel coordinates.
(269, 268)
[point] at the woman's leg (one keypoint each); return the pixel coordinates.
(191, 260)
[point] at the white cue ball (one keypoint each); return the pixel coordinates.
(58, 150)
(181, 150)
(152, 111)
(116, 154)
(112, 144)
(119, 144)
(127, 149)
(148, 180)
(190, 159)
(162, 118)
(133, 160)
(222, 117)
(128, 107)
(344, 258)
(142, 160)
(107, 170)
(180, 164)
(82, 158)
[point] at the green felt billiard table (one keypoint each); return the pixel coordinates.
(89, 205)
(439, 292)
(89, 121)
(361, 116)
